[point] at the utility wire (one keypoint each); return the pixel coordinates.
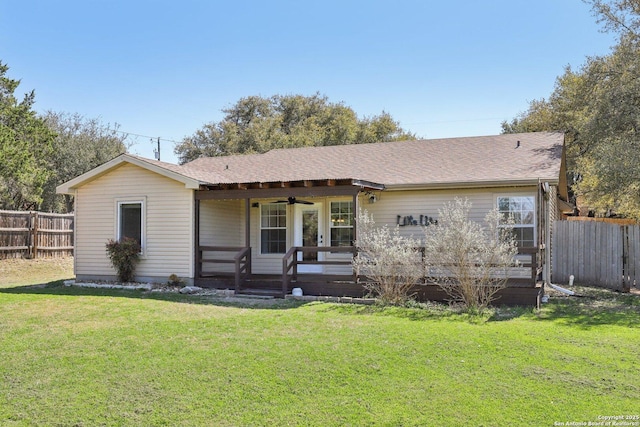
(147, 136)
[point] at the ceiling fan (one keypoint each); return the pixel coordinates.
(293, 201)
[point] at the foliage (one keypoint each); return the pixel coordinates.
(175, 280)
(124, 256)
(599, 108)
(468, 261)
(25, 145)
(618, 16)
(256, 124)
(390, 262)
(81, 144)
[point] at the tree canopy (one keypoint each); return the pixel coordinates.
(80, 145)
(256, 124)
(598, 106)
(25, 145)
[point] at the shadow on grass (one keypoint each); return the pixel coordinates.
(595, 307)
(58, 288)
(433, 311)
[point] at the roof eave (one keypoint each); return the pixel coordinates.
(470, 184)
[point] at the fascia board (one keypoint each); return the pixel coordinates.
(474, 184)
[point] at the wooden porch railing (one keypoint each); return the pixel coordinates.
(241, 261)
(290, 261)
(522, 275)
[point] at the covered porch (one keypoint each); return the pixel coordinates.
(271, 237)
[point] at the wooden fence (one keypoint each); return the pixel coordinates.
(596, 253)
(35, 235)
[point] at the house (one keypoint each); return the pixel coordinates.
(285, 218)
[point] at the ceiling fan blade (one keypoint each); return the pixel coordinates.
(293, 201)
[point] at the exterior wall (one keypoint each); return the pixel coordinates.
(388, 206)
(168, 224)
(221, 224)
(391, 204)
(414, 203)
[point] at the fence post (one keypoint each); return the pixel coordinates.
(626, 274)
(34, 216)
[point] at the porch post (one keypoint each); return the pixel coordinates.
(356, 212)
(247, 229)
(197, 260)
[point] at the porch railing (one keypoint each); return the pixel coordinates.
(290, 261)
(525, 274)
(241, 261)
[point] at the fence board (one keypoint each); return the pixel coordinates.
(596, 253)
(35, 234)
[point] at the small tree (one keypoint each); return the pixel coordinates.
(390, 262)
(468, 261)
(124, 256)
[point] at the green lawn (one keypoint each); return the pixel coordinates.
(86, 357)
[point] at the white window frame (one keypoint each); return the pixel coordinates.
(331, 226)
(534, 225)
(285, 228)
(143, 220)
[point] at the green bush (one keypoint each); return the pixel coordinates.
(174, 280)
(124, 256)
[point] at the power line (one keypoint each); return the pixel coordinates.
(147, 136)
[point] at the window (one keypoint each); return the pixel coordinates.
(341, 223)
(522, 210)
(273, 228)
(130, 221)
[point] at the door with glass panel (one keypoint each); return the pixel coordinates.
(309, 231)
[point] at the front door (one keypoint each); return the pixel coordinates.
(309, 232)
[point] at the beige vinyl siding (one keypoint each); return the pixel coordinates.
(554, 215)
(168, 223)
(414, 203)
(221, 224)
(390, 204)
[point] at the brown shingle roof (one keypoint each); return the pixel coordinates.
(469, 160)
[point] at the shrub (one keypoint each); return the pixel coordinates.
(124, 256)
(174, 280)
(468, 261)
(390, 262)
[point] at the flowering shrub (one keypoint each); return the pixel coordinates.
(390, 263)
(469, 261)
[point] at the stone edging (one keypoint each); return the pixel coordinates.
(350, 300)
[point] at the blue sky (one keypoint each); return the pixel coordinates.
(164, 69)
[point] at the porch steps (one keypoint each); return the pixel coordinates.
(259, 293)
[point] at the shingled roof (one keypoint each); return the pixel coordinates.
(509, 158)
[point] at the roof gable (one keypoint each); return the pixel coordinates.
(168, 170)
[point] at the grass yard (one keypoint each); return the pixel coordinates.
(86, 357)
